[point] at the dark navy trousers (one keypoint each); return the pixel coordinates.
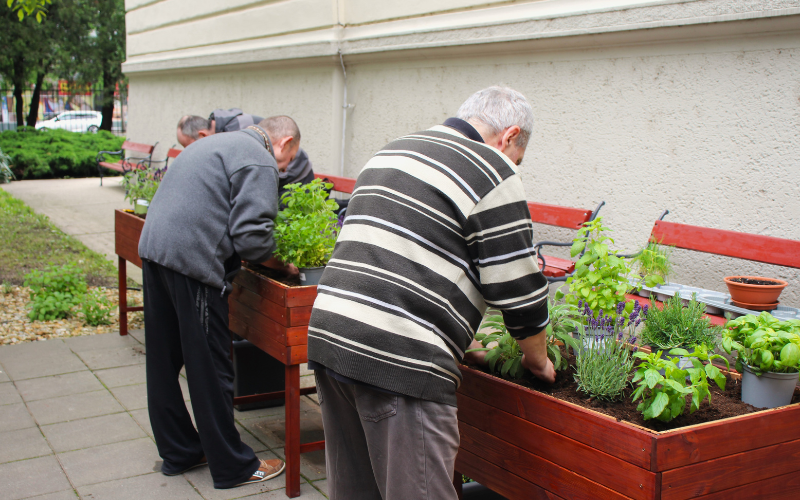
(186, 324)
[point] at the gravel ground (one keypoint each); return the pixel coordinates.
(16, 327)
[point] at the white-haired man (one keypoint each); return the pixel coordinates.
(438, 229)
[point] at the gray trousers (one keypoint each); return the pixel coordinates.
(384, 447)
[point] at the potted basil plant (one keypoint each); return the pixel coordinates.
(768, 357)
(306, 229)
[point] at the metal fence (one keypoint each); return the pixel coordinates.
(74, 111)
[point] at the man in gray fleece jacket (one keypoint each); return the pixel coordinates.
(215, 206)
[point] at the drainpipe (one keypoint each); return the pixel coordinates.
(345, 107)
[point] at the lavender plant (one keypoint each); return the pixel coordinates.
(605, 362)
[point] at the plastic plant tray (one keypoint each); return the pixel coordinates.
(716, 302)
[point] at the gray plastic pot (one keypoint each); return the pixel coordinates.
(770, 390)
(310, 275)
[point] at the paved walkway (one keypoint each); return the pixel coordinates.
(80, 208)
(74, 424)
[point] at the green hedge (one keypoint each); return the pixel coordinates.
(56, 153)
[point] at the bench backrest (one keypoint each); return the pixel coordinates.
(135, 146)
(173, 153)
(554, 215)
(755, 247)
(341, 184)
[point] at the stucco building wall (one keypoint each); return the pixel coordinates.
(691, 106)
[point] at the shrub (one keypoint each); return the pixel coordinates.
(96, 309)
(678, 326)
(56, 153)
(55, 291)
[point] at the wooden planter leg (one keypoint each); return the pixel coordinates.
(292, 446)
(458, 481)
(123, 295)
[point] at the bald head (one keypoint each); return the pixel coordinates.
(285, 137)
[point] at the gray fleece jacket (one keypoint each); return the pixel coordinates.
(215, 206)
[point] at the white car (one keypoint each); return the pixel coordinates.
(75, 121)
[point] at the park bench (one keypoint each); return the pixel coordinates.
(126, 163)
(746, 246)
(555, 268)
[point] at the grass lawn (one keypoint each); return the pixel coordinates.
(30, 241)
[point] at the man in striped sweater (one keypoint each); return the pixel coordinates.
(437, 230)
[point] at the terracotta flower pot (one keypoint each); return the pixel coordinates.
(755, 294)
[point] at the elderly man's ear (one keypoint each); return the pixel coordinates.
(204, 133)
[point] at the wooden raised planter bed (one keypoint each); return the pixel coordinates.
(526, 444)
(127, 230)
(274, 317)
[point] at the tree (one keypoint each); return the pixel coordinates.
(109, 52)
(36, 8)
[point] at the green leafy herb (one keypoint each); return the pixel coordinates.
(142, 184)
(654, 264)
(307, 228)
(96, 309)
(664, 396)
(764, 343)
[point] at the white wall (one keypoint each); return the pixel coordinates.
(692, 106)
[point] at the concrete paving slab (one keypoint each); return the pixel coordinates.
(22, 444)
(137, 334)
(132, 397)
(259, 413)
(321, 485)
(153, 486)
(251, 440)
(54, 386)
(27, 478)
(14, 417)
(142, 418)
(307, 492)
(113, 358)
(312, 464)
(32, 362)
(60, 495)
(258, 429)
(109, 462)
(76, 406)
(9, 394)
(89, 432)
(3, 375)
(202, 481)
(111, 340)
(126, 375)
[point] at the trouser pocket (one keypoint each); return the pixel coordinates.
(374, 406)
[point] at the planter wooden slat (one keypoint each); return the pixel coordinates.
(714, 440)
(782, 487)
(584, 460)
(738, 457)
(287, 336)
(497, 479)
(727, 472)
(127, 230)
(277, 292)
(591, 428)
(284, 316)
(531, 467)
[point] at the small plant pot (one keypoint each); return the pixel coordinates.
(745, 293)
(770, 390)
(643, 293)
(141, 206)
(310, 275)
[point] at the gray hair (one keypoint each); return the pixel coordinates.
(499, 108)
(279, 127)
(191, 125)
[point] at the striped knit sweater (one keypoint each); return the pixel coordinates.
(437, 230)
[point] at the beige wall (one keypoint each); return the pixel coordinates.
(690, 106)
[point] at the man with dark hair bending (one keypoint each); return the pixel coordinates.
(216, 205)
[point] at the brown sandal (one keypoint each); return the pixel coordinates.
(267, 470)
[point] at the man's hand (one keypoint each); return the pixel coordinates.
(546, 372)
(275, 263)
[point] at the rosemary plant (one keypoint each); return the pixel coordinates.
(677, 326)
